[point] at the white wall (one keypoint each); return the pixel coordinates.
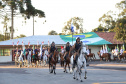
(6, 58)
(95, 49)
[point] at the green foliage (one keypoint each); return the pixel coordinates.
(78, 25)
(52, 32)
(1, 37)
(120, 29)
(21, 35)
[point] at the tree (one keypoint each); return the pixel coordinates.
(21, 35)
(120, 30)
(78, 25)
(1, 37)
(24, 7)
(52, 32)
(99, 29)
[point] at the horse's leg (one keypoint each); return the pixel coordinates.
(76, 72)
(80, 75)
(69, 67)
(73, 73)
(54, 68)
(66, 67)
(85, 69)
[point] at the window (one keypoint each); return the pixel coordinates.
(4, 52)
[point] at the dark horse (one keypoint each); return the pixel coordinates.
(53, 62)
(68, 56)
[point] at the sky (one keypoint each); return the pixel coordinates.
(60, 11)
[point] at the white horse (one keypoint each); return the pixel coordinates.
(29, 58)
(21, 59)
(81, 62)
(16, 58)
(45, 57)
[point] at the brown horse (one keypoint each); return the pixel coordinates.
(91, 56)
(122, 56)
(68, 56)
(107, 56)
(62, 59)
(53, 62)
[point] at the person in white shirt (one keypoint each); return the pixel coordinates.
(101, 52)
(115, 51)
(121, 51)
(104, 50)
(88, 52)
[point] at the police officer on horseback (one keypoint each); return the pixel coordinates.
(51, 51)
(67, 49)
(77, 48)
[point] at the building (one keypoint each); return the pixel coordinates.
(95, 40)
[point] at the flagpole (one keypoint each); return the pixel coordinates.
(72, 38)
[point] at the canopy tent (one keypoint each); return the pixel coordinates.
(90, 38)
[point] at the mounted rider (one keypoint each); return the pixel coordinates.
(67, 49)
(51, 51)
(77, 48)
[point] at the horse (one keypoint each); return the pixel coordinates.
(16, 59)
(68, 56)
(29, 59)
(53, 62)
(90, 56)
(45, 57)
(21, 59)
(61, 59)
(107, 56)
(81, 62)
(122, 56)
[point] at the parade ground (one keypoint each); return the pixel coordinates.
(98, 73)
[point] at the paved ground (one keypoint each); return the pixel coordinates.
(98, 73)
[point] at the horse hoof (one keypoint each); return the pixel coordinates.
(73, 77)
(63, 71)
(76, 78)
(54, 73)
(85, 77)
(66, 72)
(81, 81)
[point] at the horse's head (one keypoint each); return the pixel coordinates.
(83, 49)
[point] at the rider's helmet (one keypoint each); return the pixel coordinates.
(68, 43)
(77, 38)
(53, 43)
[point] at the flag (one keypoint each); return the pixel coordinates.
(72, 28)
(22, 43)
(17, 43)
(117, 47)
(42, 42)
(48, 43)
(62, 47)
(13, 43)
(24, 51)
(108, 49)
(33, 52)
(41, 50)
(37, 43)
(123, 47)
(29, 43)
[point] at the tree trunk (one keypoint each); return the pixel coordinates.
(12, 16)
(33, 25)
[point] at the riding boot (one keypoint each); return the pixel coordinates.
(65, 58)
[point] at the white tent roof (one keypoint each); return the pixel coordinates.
(35, 39)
